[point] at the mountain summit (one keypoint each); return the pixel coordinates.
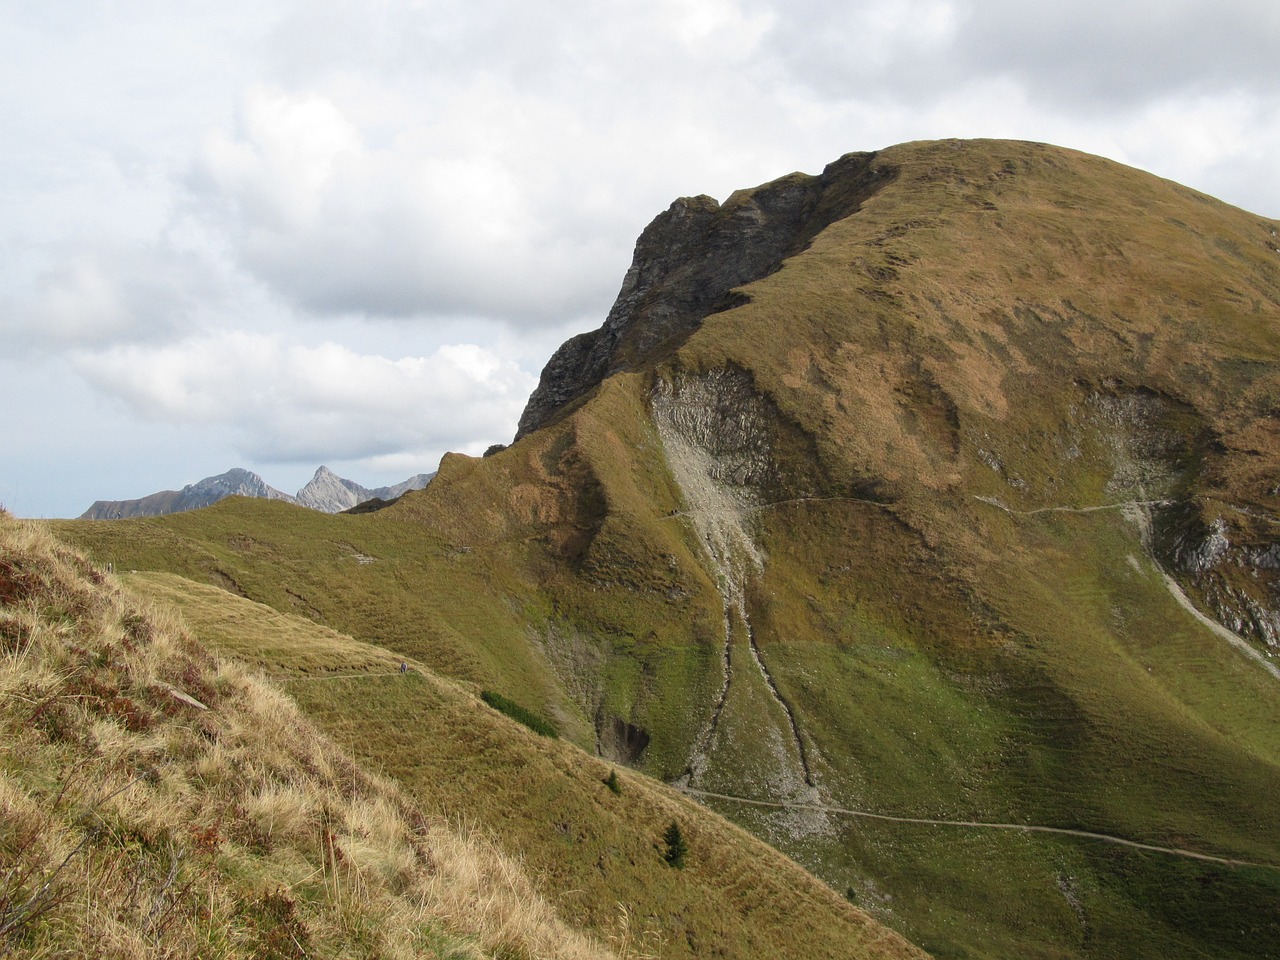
(921, 517)
(686, 266)
(236, 482)
(330, 493)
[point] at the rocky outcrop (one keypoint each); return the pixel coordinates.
(686, 266)
(330, 493)
(1226, 557)
(417, 482)
(716, 435)
(1234, 565)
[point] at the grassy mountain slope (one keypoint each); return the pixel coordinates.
(157, 802)
(596, 853)
(892, 534)
(204, 826)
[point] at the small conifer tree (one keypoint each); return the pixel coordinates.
(612, 782)
(676, 846)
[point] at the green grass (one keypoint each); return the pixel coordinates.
(1002, 320)
(156, 801)
(592, 847)
(595, 847)
(1108, 708)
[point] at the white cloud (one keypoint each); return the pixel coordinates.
(1082, 56)
(724, 21)
(332, 169)
(93, 296)
(289, 402)
(285, 158)
(423, 225)
(81, 303)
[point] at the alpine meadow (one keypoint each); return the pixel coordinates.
(896, 571)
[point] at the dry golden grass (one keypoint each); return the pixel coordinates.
(155, 801)
(256, 635)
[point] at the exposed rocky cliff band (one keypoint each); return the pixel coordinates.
(1232, 560)
(716, 438)
(688, 262)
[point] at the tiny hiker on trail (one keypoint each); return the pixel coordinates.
(404, 667)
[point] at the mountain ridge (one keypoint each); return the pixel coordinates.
(325, 491)
(889, 529)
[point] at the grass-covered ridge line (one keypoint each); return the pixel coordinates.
(596, 853)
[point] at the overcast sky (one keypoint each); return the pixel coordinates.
(276, 234)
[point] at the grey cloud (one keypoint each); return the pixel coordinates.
(95, 297)
(375, 248)
(493, 160)
(1099, 52)
(1083, 55)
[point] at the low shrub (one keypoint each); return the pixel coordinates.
(533, 721)
(677, 848)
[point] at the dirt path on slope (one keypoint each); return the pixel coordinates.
(983, 825)
(1230, 636)
(1123, 505)
(1139, 512)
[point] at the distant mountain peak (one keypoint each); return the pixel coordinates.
(330, 493)
(326, 492)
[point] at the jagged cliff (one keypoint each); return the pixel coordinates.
(330, 493)
(687, 265)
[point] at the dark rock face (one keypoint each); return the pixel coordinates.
(620, 741)
(686, 265)
(1234, 565)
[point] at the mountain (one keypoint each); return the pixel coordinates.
(687, 265)
(236, 482)
(919, 516)
(326, 492)
(330, 493)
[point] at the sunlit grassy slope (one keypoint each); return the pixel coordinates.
(158, 802)
(597, 854)
(1001, 329)
(155, 801)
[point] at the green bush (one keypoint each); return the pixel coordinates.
(612, 782)
(676, 846)
(518, 713)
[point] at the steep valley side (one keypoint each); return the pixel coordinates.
(854, 536)
(715, 443)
